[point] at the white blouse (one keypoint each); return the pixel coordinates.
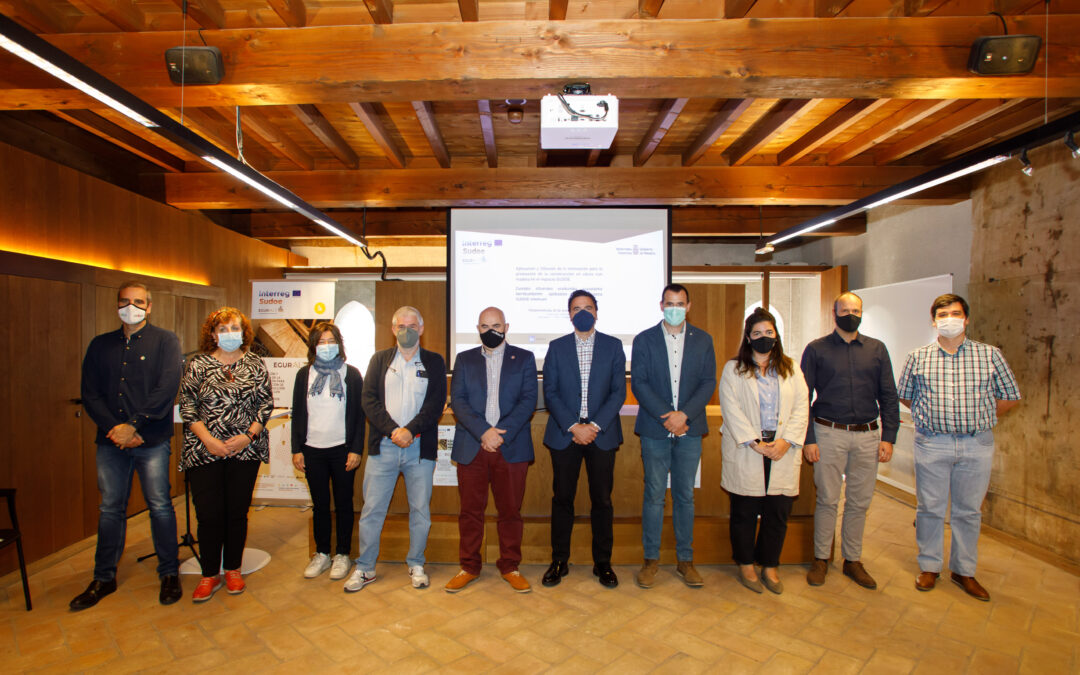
(326, 414)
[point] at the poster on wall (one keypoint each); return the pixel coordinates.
(279, 480)
(292, 300)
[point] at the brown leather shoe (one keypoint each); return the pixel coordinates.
(460, 581)
(818, 569)
(926, 581)
(858, 573)
(970, 586)
(646, 576)
(517, 582)
(690, 576)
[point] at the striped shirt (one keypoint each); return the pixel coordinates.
(584, 359)
(956, 393)
(494, 360)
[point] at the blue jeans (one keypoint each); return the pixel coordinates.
(380, 477)
(680, 457)
(957, 468)
(115, 468)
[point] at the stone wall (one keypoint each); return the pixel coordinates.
(1025, 297)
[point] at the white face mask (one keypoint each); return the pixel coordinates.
(132, 315)
(950, 326)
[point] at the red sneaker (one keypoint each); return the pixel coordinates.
(234, 581)
(206, 589)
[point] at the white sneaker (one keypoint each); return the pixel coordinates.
(419, 579)
(320, 562)
(340, 568)
(358, 580)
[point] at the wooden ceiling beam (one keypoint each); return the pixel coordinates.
(209, 14)
(649, 9)
(840, 120)
(898, 121)
(322, 129)
(705, 221)
(1001, 127)
(369, 115)
(766, 58)
(593, 158)
(541, 155)
(973, 113)
(425, 114)
(256, 121)
(557, 10)
(470, 10)
(292, 12)
(36, 16)
(381, 11)
(729, 112)
(664, 120)
(114, 133)
(783, 114)
(121, 13)
(222, 133)
(487, 130)
(525, 186)
(737, 9)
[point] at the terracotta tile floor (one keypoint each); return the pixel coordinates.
(285, 623)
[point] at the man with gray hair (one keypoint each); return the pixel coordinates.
(403, 398)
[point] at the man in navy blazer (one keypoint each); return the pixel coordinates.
(493, 396)
(672, 376)
(584, 389)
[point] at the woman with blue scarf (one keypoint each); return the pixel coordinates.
(328, 442)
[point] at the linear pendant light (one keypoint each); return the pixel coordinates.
(34, 50)
(972, 162)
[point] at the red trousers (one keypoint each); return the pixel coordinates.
(507, 481)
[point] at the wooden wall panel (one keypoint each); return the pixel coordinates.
(427, 296)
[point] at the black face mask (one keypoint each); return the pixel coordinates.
(492, 338)
(763, 345)
(848, 322)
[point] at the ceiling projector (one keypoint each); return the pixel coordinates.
(578, 122)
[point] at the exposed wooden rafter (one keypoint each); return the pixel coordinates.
(321, 128)
(737, 9)
(255, 120)
(971, 114)
(123, 14)
(369, 115)
(425, 114)
(470, 10)
(840, 120)
(663, 122)
(649, 9)
(487, 130)
(557, 10)
(37, 16)
(292, 12)
(724, 118)
(898, 121)
(782, 115)
(1001, 127)
(213, 127)
(208, 14)
(114, 133)
(382, 11)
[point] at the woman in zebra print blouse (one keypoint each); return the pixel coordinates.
(225, 401)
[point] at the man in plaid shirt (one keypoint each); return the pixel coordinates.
(956, 389)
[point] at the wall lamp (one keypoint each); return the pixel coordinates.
(34, 50)
(972, 162)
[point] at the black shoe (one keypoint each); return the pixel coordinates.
(606, 574)
(94, 592)
(170, 589)
(555, 573)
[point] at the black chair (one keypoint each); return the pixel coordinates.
(13, 536)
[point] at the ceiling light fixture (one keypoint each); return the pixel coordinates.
(1070, 143)
(1027, 169)
(968, 164)
(33, 49)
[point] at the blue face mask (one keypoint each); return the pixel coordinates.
(583, 321)
(674, 316)
(327, 352)
(230, 342)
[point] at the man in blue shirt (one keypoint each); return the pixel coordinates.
(130, 377)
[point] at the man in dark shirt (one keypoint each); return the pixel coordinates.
(851, 377)
(130, 377)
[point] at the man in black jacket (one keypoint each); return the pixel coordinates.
(403, 396)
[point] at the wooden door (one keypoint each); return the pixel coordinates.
(43, 452)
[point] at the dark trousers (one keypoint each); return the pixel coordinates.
(325, 467)
(221, 492)
(743, 526)
(566, 466)
(507, 481)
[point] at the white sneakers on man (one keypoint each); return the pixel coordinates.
(419, 579)
(320, 562)
(340, 568)
(358, 580)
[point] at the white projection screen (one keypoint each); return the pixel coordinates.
(528, 261)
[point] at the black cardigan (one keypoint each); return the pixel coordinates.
(354, 411)
(426, 422)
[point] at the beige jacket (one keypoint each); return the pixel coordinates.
(741, 471)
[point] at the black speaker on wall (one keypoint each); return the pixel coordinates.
(195, 65)
(1004, 54)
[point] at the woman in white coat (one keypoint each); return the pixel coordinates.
(765, 406)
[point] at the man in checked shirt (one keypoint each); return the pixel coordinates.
(956, 389)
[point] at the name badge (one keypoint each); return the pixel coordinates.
(421, 373)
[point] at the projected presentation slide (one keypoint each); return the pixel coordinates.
(528, 261)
